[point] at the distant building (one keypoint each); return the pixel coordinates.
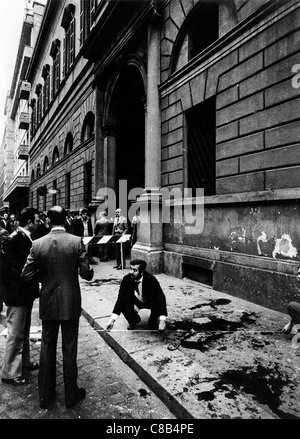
(14, 164)
(175, 94)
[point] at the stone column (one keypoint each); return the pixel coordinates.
(99, 141)
(99, 180)
(153, 122)
(149, 245)
(110, 149)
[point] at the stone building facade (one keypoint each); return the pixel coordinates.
(14, 163)
(177, 94)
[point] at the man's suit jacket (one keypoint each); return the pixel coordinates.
(3, 239)
(17, 292)
(78, 227)
(103, 227)
(152, 294)
(120, 226)
(6, 225)
(56, 259)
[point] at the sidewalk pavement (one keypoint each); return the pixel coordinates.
(220, 357)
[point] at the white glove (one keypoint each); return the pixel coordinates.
(110, 324)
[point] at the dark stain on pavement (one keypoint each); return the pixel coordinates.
(265, 384)
(201, 335)
(143, 393)
(203, 341)
(212, 303)
(98, 282)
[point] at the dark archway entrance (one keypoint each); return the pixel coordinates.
(130, 128)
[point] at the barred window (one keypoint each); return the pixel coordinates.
(68, 144)
(87, 10)
(55, 156)
(46, 92)
(68, 23)
(67, 190)
(55, 54)
(201, 147)
(39, 107)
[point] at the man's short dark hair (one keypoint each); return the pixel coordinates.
(142, 264)
(57, 215)
(27, 214)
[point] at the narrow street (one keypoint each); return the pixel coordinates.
(113, 390)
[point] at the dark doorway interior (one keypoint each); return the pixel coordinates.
(130, 160)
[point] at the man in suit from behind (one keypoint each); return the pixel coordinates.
(140, 289)
(55, 259)
(103, 227)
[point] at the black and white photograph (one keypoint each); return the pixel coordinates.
(150, 212)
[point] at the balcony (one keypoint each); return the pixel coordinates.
(18, 188)
(25, 90)
(24, 121)
(23, 152)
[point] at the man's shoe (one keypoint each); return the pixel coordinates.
(133, 325)
(116, 266)
(20, 381)
(92, 261)
(80, 396)
(33, 366)
(46, 404)
(119, 267)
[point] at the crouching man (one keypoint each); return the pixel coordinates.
(140, 289)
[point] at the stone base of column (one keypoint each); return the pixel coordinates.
(153, 255)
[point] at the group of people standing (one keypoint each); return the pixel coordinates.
(47, 266)
(104, 226)
(8, 222)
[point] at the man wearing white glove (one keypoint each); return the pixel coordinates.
(140, 289)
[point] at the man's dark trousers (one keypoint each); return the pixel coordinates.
(47, 370)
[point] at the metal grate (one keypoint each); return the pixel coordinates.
(201, 151)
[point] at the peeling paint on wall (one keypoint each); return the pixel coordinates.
(265, 245)
(284, 247)
(237, 235)
(261, 238)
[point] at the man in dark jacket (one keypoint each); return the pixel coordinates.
(140, 289)
(82, 226)
(3, 239)
(5, 222)
(19, 297)
(56, 259)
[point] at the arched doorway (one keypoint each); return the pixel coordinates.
(127, 105)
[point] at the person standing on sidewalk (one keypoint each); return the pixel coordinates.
(140, 289)
(19, 297)
(56, 259)
(103, 227)
(3, 239)
(120, 228)
(5, 222)
(82, 226)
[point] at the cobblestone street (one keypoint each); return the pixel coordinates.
(113, 390)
